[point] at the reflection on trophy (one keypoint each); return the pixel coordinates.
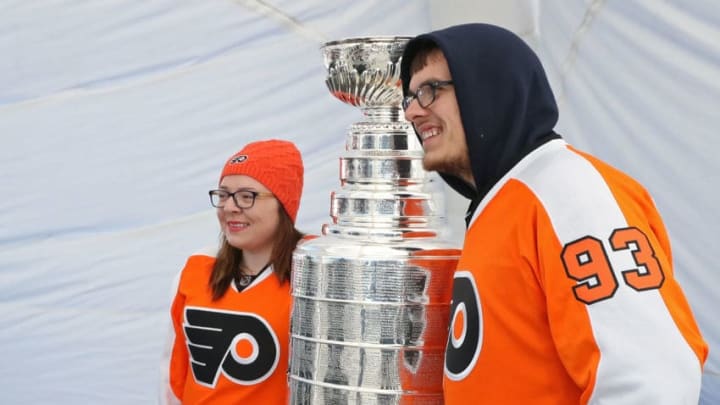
(371, 295)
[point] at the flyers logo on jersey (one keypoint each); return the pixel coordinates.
(465, 337)
(241, 345)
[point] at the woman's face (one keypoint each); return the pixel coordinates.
(250, 229)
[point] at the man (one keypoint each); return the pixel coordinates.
(564, 293)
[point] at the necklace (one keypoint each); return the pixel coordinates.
(244, 280)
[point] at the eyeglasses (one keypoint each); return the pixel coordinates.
(243, 198)
(425, 94)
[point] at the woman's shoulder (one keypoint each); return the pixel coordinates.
(207, 252)
(200, 262)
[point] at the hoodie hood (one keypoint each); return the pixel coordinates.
(507, 107)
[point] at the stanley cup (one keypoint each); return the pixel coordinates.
(371, 296)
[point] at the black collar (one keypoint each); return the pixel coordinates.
(242, 281)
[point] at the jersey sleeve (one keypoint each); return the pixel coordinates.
(174, 357)
(617, 315)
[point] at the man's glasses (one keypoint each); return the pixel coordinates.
(425, 94)
(243, 198)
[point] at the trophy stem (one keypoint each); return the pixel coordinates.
(384, 113)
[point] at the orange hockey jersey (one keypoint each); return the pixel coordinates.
(565, 293)
(233, 350)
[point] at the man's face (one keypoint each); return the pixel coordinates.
(439, 124)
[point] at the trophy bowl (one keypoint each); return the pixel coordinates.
(365, 72)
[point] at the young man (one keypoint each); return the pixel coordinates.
(565, 292)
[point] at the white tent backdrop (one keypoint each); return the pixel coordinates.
(116, 117)
(639, 85)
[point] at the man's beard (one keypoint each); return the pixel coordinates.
(458, 166)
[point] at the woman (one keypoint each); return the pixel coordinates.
(231, 311)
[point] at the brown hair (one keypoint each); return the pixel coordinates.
(422, 54)
(229, 258)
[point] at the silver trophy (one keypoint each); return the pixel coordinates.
(371, 295)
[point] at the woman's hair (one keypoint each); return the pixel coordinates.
(229, 258)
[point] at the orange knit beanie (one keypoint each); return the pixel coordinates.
(276, 164)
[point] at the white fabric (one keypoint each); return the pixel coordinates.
(116, 117)
(165, 394)
(614, 322)
(638, 84)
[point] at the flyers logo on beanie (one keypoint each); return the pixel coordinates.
(238, 159)
(241, 345)
(465, 337)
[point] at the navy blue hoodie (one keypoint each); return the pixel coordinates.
(506, 104)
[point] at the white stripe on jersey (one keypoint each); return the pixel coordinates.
(633, 330)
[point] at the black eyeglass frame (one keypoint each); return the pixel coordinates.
(432, 86)
(220, 193)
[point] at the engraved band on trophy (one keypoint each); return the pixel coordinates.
(371, 295)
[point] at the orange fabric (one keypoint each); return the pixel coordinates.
(538, 344)
(671, 292)
(439, 264)
(275, 163)
(518, 361)
(261, 307)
